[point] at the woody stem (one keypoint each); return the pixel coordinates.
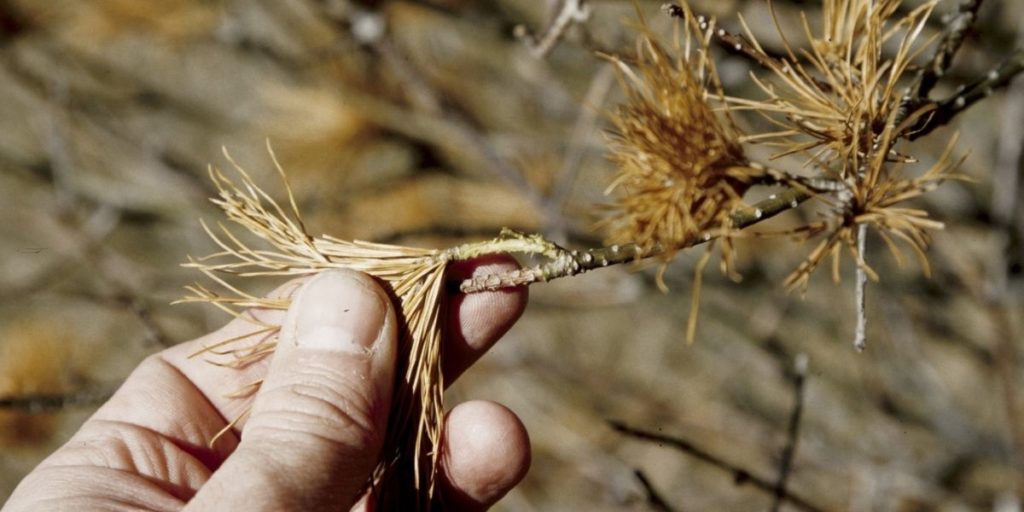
(563, 262)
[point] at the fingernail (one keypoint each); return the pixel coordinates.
(339, 311)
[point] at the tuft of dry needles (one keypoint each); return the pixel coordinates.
(414, 277)
(681, 171)
(840, 101)
(680, 167)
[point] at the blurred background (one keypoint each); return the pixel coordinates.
(430, 123)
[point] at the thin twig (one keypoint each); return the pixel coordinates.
(732, 43)
(654, 498)
(860, 283)
(736, 44)
(741, 475)
(573, 262)
(155, 334)
(953, 38)
(573, 11)
(793, 430)
(965, 96)
(1005, 207)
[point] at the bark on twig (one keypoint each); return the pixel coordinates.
(967, 95)
(568, 262)
(860, 335)
(956, 30)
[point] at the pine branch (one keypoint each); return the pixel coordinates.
(565, 262)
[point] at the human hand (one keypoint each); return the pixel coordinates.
(317, 424)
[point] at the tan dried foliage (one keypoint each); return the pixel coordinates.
(839, 102)
(681, 171)
(681, 168)
(832, 98)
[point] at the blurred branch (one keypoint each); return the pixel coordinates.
(654, 498)
(124, 298)
(600, 85)
(793, 431)
(83, 235)
(84, 240)
(953, 38)
(460, 130)
(740, 475)
(573, 11)
(1005, 209)
(947, 109)
(51, 402)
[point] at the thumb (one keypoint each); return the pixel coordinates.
(317, 424)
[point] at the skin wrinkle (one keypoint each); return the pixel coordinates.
(249, 372)
(277, 478)
(319, 402)
(206, 404)
(138, 450)
(176, 384)
(145, 494)
(225, 380)
(337, 423)
(108, 436)
(210, 456)
(334, 399)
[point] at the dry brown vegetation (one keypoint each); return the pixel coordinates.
(437, 123)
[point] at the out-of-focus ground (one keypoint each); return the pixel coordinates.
(446, 129)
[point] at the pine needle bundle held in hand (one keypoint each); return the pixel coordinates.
(415, 277)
